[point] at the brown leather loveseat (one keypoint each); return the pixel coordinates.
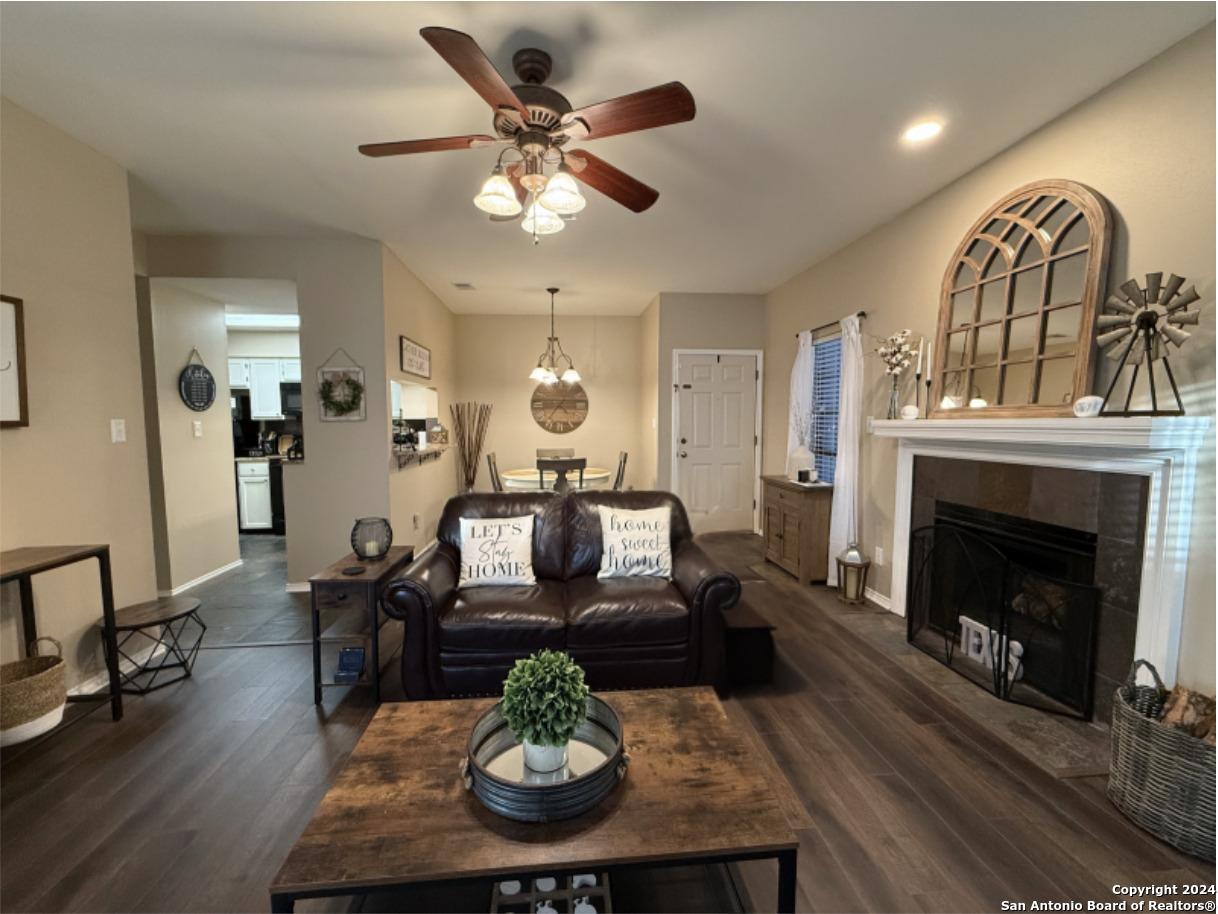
(634, 632)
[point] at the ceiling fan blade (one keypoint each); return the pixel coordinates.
(612, 182)
(660, 106)
(441, 144)
(462, 53)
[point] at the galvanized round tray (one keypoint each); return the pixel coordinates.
(494, 769)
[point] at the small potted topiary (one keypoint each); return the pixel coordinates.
(544, 700)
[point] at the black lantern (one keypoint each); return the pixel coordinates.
(371, 538)
(852, 568)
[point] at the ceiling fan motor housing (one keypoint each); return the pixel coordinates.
(546, 108)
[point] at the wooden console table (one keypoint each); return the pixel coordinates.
(21, 564)
(331, 589)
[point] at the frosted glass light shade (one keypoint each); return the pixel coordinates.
(540, 220)
(562, 194)
(498, 197)
(571, 376)
(539, 373)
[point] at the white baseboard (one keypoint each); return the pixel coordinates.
(878, 599)
(296, 588)
(207, 577)
(100, 682)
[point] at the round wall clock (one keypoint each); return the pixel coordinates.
(559, 407)
(197, 387)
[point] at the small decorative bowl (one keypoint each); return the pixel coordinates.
(1088, 407)
(909, 412)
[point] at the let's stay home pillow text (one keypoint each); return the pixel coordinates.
(496, 550)
(635, 543)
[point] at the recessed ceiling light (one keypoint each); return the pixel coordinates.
(923, 131)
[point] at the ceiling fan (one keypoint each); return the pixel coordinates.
(535, 123)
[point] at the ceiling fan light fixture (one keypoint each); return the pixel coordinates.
(562, 194)
(540, 220)
(497, 196)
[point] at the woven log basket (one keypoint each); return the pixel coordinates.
(1161, 778)
(32, 694)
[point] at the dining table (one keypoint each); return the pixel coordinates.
(526, 478)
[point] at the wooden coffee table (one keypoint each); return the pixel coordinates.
(399, 814)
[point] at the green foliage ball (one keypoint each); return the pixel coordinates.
(545, 698)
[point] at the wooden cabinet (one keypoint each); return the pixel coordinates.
(795, 523)
(238, 373)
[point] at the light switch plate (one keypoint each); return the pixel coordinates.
(118, 431)
(198, 428)
(879, 555)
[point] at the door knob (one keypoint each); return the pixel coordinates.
(683, 454)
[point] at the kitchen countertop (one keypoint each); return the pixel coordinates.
(282, 458)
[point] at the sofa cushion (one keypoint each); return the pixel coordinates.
(621, 612)
(504, 619)
(496, 551)
(583, 542)
(549, 536)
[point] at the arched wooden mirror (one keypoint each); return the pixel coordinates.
(1018, 304)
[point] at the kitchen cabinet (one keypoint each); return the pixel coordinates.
(238, 373)
(264, 389)
(289, 371)
(254, 494)
(796, 526)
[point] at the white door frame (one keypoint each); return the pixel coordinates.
(676, 416)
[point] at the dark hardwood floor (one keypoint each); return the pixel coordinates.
(193, 800)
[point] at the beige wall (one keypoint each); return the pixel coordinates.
(67, 254)
(198, 534)
(1162, 197)
(263, 344)
(339, 297)
(643, 466)
(412, 310)
(495, 356)
(699, 321)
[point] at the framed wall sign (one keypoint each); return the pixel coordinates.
(14, 406)
(196, 386)
(416, 359)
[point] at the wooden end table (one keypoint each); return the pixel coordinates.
(331, 589)
(399, 815)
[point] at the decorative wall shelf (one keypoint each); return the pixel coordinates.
(408, 456)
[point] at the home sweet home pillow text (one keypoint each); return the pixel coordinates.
(635, 543)
(496, 550)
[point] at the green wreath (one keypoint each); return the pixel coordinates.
(345, 405)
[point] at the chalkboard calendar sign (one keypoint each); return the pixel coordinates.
(197, 387)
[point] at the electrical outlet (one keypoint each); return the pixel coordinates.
(198, 428)
(118, 431)
(417, 521)
(879, 555)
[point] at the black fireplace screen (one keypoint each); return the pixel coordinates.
(1025, 635)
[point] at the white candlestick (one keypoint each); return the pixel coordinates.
(921, 346)
(930, 357)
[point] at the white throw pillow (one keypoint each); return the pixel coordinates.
(635, 543)
(496, 550)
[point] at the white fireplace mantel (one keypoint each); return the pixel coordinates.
(1164, 449)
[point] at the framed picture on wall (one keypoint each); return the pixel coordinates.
(14, 407)
(416, 359)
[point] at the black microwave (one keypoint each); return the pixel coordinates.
(290, 399)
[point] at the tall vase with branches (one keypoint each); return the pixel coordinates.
(896, 354)
(470, 421)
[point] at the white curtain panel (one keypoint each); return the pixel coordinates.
(800, 413)
(843, 522)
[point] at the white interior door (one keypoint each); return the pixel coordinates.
(716, 445)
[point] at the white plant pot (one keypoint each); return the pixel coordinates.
(544, 758)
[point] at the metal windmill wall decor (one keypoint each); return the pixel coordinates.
(1139, 325)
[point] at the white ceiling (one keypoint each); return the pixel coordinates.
(243, 118)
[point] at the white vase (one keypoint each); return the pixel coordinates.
(800, 459)
(544, 758)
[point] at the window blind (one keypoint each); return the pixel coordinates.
(826, 385)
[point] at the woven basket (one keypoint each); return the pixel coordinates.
(1161, 778)
(32, 694)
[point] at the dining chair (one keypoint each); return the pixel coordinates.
(560, 468)
(496, 482)
(555, 453)
(621, 471)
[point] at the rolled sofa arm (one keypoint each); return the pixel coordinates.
(709, 590)
(417, 597)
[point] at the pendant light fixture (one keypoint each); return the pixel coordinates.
(550, 360)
